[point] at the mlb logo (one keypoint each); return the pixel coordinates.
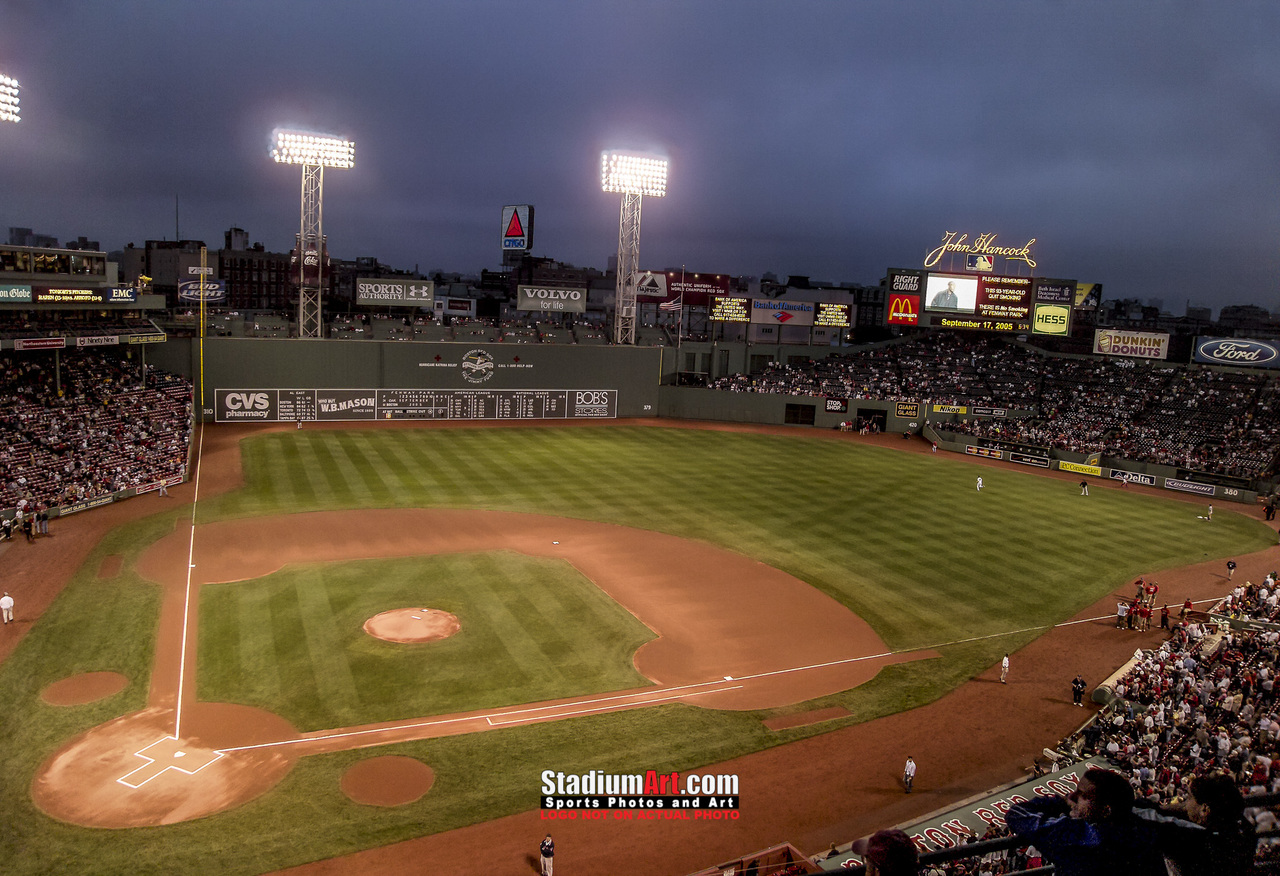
(979, 263)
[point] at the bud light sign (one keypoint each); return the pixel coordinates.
(1237, 351)
(214, 290)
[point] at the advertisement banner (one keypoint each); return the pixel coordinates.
(402, 293)
(830, 315)
(238, 406)
(517, 228)
(988, 452)
(102, 341)
(1189, 487)
(1078, 468)
(903, 309)
(651, 284)
(346, 404)
(49, 295)
(1236, 351)
(990, 412)
(15, 292)
(1055, 291)
(1140, 345)
(39, 343)
(1088, 295)
(1132, 477)
(214, 290)
(1028, 459)
(836, 405)
(950, 409)
(149, 338)
(772, 311)
(726, 309)
(697, 289)
(547, 298)
(906, 410)
(1051, 319)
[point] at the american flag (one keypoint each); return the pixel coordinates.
(672, 306)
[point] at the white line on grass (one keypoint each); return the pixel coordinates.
(416, 725)
(186, 600)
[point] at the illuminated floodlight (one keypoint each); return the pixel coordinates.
(633, 174)
(9, 99)
(314, 152)
(303, 147)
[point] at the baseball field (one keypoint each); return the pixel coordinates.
(627, 598)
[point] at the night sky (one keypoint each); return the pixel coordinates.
(1137, 142)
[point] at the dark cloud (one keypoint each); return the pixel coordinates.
(830, 139)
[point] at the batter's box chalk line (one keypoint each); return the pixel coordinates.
(168, 753)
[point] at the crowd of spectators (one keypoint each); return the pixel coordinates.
(1209, 421)
(85, 425)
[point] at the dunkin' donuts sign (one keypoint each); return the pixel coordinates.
(1237, 351)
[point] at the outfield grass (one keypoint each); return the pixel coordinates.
(904, 540)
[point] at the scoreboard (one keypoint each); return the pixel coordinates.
(979, 302)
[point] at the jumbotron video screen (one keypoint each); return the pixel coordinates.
(979, 302)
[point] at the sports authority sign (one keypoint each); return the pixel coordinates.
(772, 311)
(1140, 345)
(295, 405)
(406, 293)
(550, 298)
(517, 228)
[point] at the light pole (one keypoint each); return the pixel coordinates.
(634, 175)
(314, 152)
(9, 99)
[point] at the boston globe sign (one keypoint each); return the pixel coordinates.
(402, 293)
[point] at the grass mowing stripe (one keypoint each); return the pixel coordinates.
(336, 687)
(361, 470)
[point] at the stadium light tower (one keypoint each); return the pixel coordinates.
(634, 175)
(314, 152)
(9, 99)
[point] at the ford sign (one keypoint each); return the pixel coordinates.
(1237, 351)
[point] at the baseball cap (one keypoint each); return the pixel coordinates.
(892, 851)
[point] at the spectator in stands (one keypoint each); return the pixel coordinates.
(1215, 803)
(888, 853)
(1097, 829)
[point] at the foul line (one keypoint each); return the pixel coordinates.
(417, 725)
(186, 601)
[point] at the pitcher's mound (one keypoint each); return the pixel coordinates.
(412, 625)
(393, 780)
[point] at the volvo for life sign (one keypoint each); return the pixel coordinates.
(405, 293)
(552, 299)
